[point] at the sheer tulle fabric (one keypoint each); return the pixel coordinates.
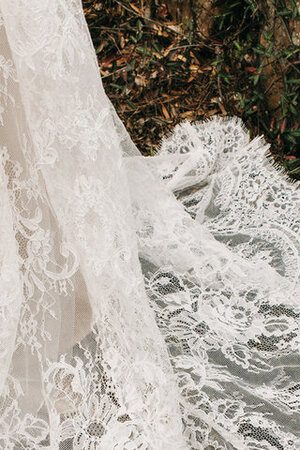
(146, 302)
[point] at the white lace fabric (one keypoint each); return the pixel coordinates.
(146, 302)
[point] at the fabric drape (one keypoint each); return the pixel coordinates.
(146, 302)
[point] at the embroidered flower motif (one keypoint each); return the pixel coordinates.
(39, 249)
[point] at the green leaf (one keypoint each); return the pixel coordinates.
(293, 109)
(285, 12)
(238, 45)
(255, 79)
(130, 104)
(116, 86)
(155, 46)
(139, 25)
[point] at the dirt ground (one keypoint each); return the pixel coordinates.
(164, 62)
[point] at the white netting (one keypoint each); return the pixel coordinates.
(146, 302)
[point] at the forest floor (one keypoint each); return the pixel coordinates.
(159, 71)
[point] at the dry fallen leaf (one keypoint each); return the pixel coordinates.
(136, 9)
(140, 80)
(187, 115)
(192, 77)
(165, 112)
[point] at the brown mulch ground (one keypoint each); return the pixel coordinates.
(158, 72)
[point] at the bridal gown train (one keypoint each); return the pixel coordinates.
(146, 303)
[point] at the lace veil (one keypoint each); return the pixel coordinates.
(146, 302)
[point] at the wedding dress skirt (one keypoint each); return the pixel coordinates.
(145, 302)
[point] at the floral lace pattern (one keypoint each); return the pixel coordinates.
(147, 302)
